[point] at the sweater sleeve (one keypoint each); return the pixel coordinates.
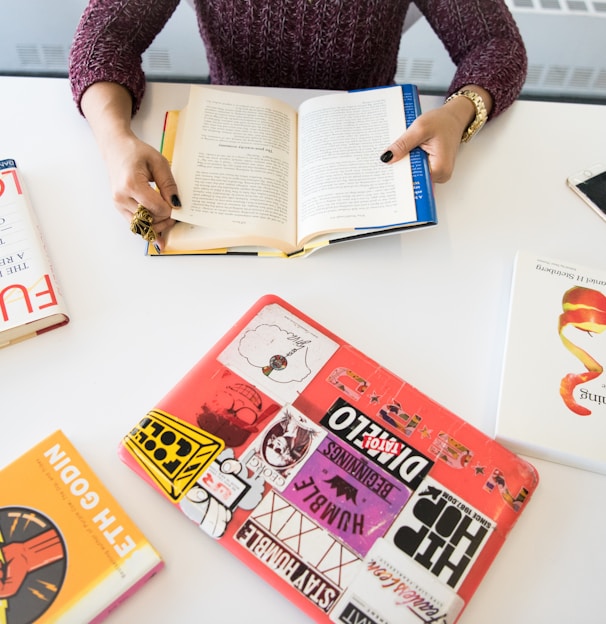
(484, 42)
(110, 40)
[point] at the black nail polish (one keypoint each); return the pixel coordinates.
(157, 248)
(386, 156)
(175, 201)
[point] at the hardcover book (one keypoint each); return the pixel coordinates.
(30, 299)
(553, 399)
(350, 491)
(68, 551)
(257, 176)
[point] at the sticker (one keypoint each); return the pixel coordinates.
(33, 564)
(374, 443)
(283, 447)
(298, 550)
(223, 487)
(172, 452)
(352, 426)
(392, 589)
(234, 411)
(279, 353)
(347, 494)
(348, 382)
(441, 532)
(393, 414)
(497, 482)
(453, 453)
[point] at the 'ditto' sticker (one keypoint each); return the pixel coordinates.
(173, 453)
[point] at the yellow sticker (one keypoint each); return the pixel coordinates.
(172, 452)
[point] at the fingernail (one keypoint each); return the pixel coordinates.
(175, 201)
(157, 248)
(386, 156)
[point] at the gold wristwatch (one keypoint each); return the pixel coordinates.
(481, 114)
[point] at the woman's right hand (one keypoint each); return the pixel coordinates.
(133, 165)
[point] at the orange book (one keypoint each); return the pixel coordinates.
(349, 490)
(68, 551)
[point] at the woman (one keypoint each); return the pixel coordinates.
(323, 44)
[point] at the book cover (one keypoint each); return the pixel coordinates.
(349, 490)
(30, 299)
(553, 391)
(68, 552)
(339, 211)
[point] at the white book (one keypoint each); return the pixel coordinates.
(553, 391)
(30, 299)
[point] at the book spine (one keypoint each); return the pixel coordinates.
(419, 162)
(169, 133)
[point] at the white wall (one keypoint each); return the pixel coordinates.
(566, 42)
(37, 38)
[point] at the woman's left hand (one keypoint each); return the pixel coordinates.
(438, 132)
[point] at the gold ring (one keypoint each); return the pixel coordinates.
(141, 224)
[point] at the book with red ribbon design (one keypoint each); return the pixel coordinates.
(553, 390)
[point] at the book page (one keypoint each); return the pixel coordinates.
(343, 185)
(234, 163)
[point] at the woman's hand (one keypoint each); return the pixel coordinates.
(438, 132)
(133, 165)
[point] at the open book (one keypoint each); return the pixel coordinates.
(257, 176)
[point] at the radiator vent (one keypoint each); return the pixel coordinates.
(600, 81)
(555, 77)
(157, 60)
(39, 59)
(570, 7)
(416, 71)
(34, 56)
(54, 56)
(29, 56)
(540, 78)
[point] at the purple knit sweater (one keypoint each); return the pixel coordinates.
(323, 44)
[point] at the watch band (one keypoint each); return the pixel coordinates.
(481, 114)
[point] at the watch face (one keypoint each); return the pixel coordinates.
(33, 562)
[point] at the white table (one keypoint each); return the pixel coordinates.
(431, 305)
